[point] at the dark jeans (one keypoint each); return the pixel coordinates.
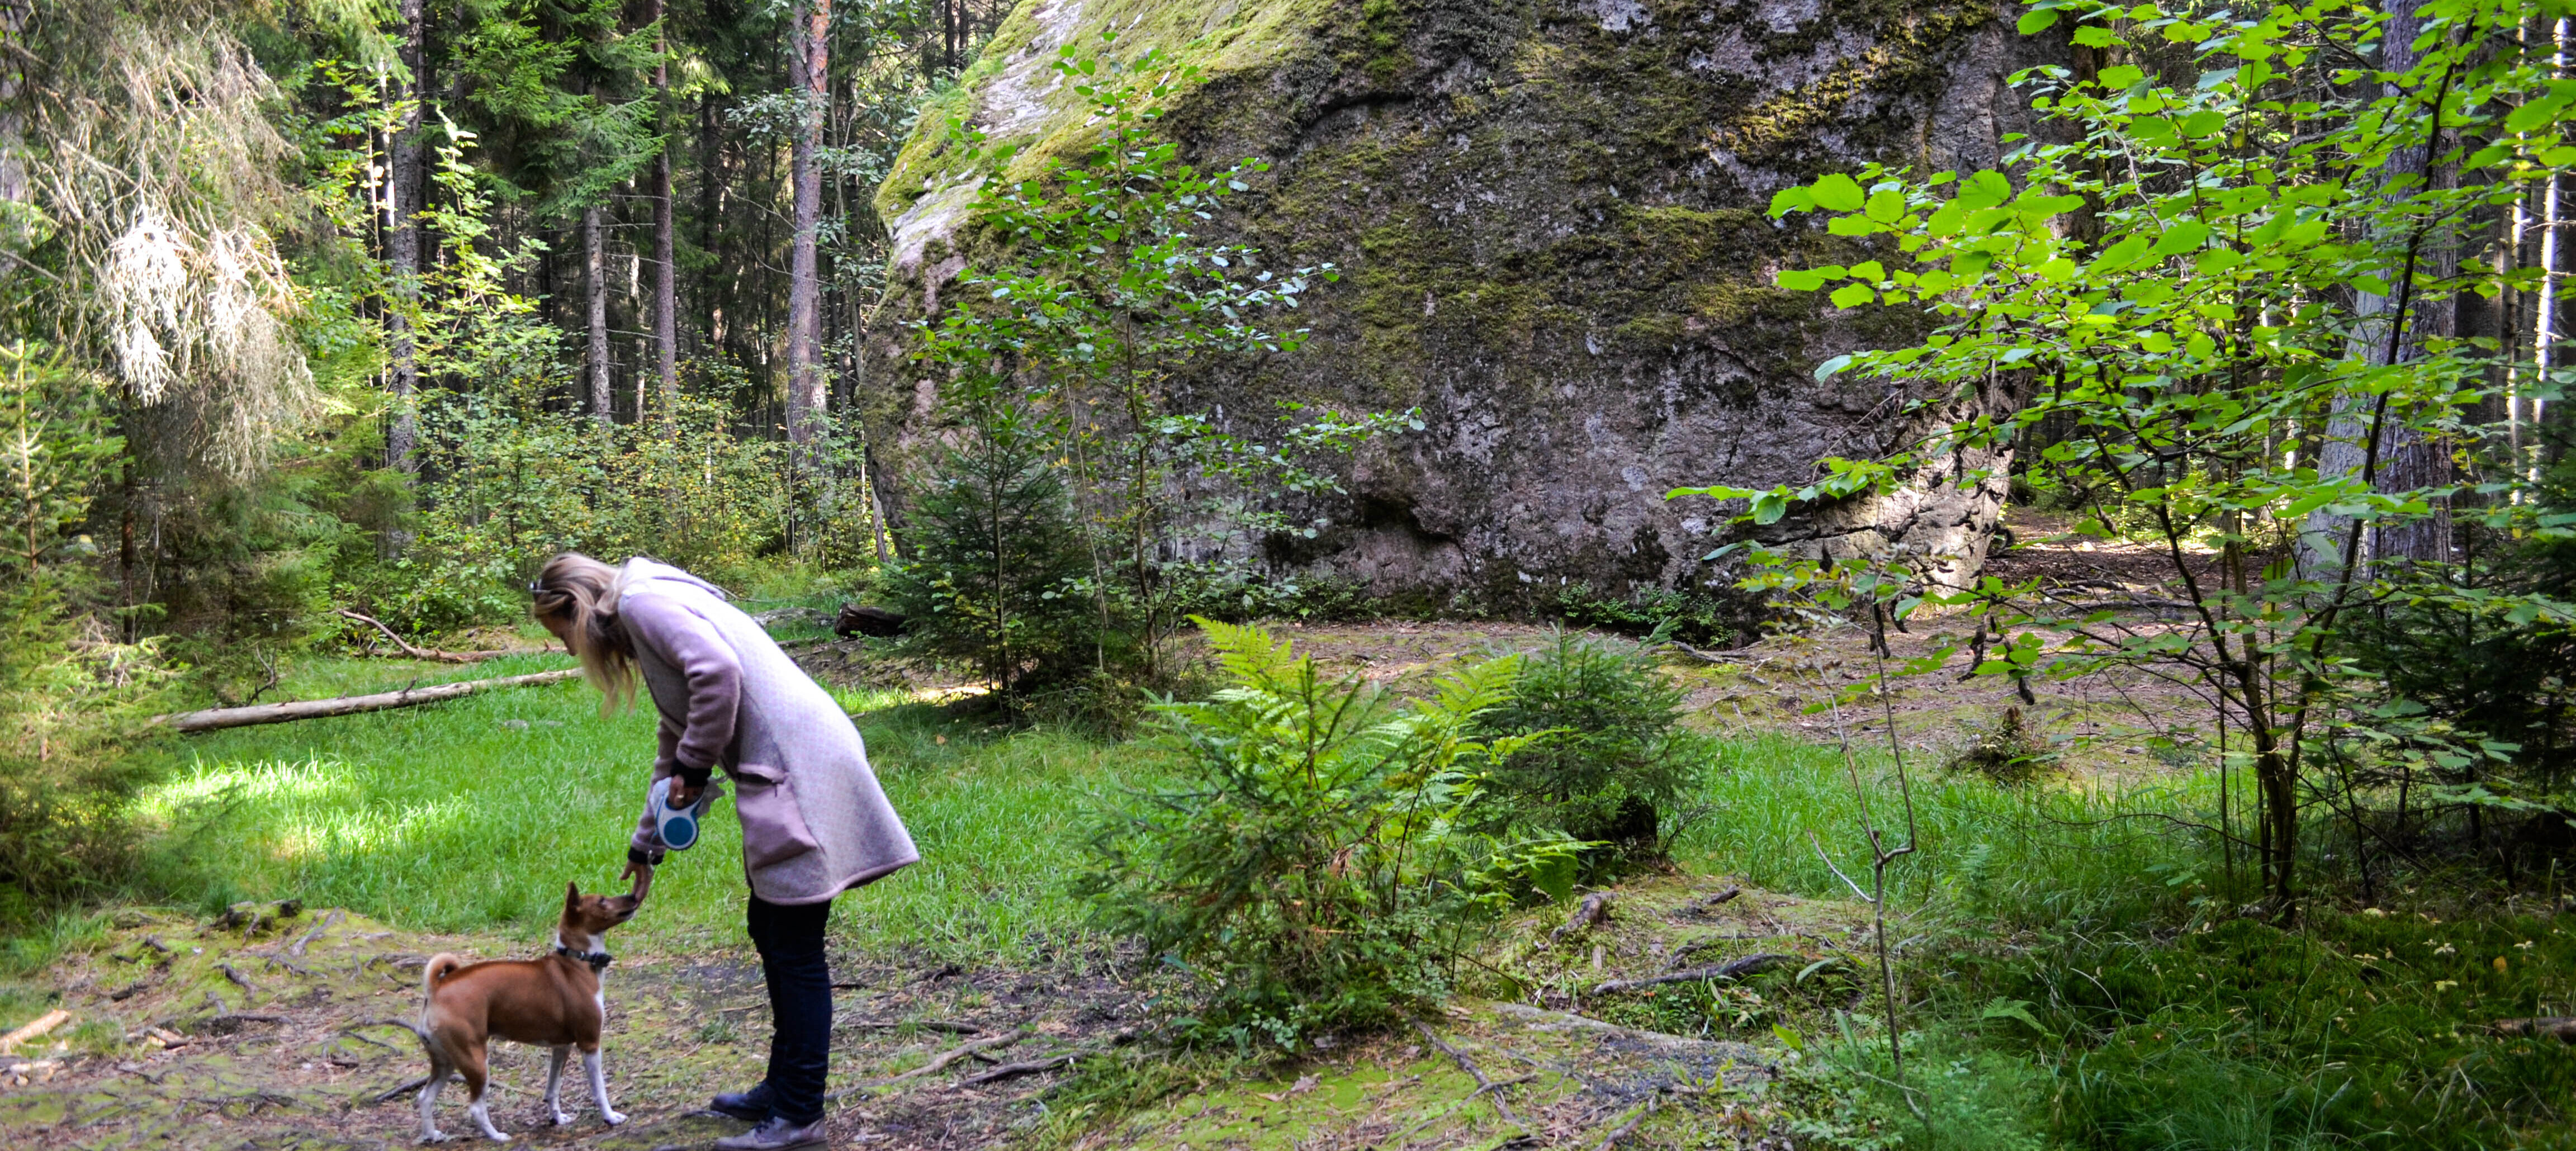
(790, 940)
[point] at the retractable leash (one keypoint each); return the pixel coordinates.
(678, 826)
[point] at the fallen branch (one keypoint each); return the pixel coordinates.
(1704, 906)
(916, 1024)
(1591, 913)
(42, 1024)
(1731, 969)
(1483, 1085)
(297, 948)
(239, 980)
(937, 1063)
(1630, 1127)
(427, 653)
(1015, 1070)
(218, 718)
(2559, 1027)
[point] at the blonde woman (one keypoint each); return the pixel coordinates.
(814, 822)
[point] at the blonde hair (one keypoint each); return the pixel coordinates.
(582, 592)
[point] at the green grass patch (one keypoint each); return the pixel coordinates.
(470, 815)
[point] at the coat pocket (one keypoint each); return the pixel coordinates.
(773, 829)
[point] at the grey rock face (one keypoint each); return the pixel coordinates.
(1550, 221)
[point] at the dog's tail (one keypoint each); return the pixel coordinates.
(439, 967)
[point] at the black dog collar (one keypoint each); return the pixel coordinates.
(598, 960)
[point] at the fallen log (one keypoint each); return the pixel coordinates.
(2556, 1027)
(218, 718)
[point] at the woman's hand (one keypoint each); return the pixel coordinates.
(638, 876)
(683, 795)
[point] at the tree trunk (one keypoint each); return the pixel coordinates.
(2405, 459)
(808, 72)
(666, 319)
(402, 242)
(595, 261)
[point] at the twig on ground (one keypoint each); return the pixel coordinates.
(1015, 1070)
(297, 948)
(239, 979)
(1483, 1085)
(1591, 913)
(948, 1026)
(1731, 969)
(937, 1063)
(1704, 906)
(415, 1085)
(1630, 1127)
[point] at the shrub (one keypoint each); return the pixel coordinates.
(2005, 751)
(1312, 867)
(64, 684)
(993, 562)
(1620, 761)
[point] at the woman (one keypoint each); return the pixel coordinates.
(814, 822)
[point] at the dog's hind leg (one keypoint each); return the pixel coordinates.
(599, 1086)
(429, 1132)
(555, 1059)
(477, 1079)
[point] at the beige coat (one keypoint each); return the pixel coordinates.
(814, 821)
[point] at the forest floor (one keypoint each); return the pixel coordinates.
(968, 990)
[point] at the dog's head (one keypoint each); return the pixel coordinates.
(589, 915)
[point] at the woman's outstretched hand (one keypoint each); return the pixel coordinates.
(638, 875)
(682, 795)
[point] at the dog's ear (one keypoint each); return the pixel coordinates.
(572, 895)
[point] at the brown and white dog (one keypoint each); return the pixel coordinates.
(555, 1001)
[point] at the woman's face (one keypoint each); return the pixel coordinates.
(561, 627)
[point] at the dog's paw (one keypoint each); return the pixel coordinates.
(563, 1118)
(612, 1118)
(435, 1136)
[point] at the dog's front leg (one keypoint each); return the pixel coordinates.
(599, 1087)
(555, 1059)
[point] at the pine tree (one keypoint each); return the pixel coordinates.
(993, 563)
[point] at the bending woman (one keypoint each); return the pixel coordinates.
(814, 821)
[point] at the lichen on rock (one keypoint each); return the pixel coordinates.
(1549, 216)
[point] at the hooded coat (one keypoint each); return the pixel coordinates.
(814, 821)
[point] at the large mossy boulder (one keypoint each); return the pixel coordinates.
(1549, 219)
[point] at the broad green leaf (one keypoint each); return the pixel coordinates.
(2183, 236)
(2095, 36)
(2036, 21)
(2121, 77)
(1788, 200)
(1799, 280)
(1838, 193)
(1886, 206)
(1852, 295)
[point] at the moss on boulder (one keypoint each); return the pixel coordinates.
(1549, 219)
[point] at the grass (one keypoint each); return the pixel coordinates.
(470, 815)
(2076, 973)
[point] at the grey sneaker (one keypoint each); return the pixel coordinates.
(774, 1134)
